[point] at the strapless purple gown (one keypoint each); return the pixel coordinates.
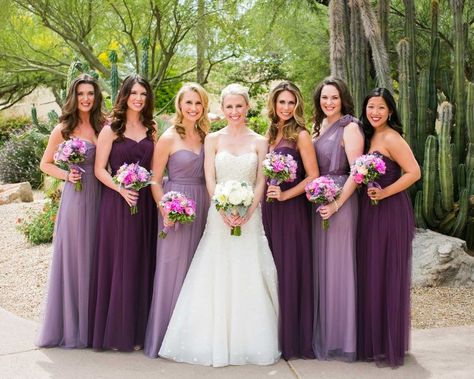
(175, 253)
(122, 279)
(66, 312)
(288, 228)
(384, 250)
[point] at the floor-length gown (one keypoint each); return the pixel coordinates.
(334, 256)
(66, 311)
(384, 250)
(227, 311)
(175, 252)
(122, 279)
(288, 228)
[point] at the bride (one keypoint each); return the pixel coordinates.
(227, 311)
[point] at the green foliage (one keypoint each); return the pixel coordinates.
(38, 228)
(9, 126)
(258, 124)
(164, 96)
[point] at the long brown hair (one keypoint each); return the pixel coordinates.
(119, 112)
(70, 114)
(294, 125)
(203, 124)
(347, 104)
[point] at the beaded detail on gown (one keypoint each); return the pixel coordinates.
(227, 311)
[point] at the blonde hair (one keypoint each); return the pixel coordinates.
(235, 89)
(294, 125)
(203, 124)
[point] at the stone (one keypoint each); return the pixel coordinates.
(440, 260)
(16, 193)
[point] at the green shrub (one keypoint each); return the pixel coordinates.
(217, 125)
(20, 157)
(39, 227)
(9, 126)
(258, 124)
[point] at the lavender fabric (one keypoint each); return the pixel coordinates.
(384, 251)
(65, 317)
(122, 278)
(175, 253)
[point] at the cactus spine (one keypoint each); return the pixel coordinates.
(114, 79)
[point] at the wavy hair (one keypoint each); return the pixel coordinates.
(70, 113)
(347, 104)
(203, 124)
(294, 125)
(119, 112)
(393, 120)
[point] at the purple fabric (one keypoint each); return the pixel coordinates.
(175, 252)
(334, 257)
(384, 250)
(287, 226)
(66, 310)
(122, 279)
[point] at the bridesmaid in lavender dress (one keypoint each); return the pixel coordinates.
(287, 221)
(122, 279)
(66, 313)
(385, 234)
(180, 150)
(338, 142)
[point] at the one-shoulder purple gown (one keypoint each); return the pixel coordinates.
(122, 279)
(66, 312)
(175, 253)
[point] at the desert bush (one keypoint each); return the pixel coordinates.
(11, 125)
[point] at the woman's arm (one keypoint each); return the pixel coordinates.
(354, 147)
(161, 155)
(104, 147)
(400, 152)
(308, 155)
(210, 149)
(47, 161)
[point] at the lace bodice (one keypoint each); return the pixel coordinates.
(236, 167)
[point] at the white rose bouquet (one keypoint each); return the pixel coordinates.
(233, 197)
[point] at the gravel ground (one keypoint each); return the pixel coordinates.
(24, 271)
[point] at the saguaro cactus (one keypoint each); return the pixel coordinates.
(114, 79)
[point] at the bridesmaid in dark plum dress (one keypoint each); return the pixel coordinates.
(287, 222)
(123, 270)
(65, 321)
(338, 142)
(180, 150)
(385, 233)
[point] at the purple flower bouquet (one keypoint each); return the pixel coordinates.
(322, 191)
(69, 154)
(178, 208)
(366, 169)
(279, 168)
(132, 176)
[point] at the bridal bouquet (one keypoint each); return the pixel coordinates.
(233, 197)
(279, 168)
(132, 176)
(366, 169)
(322, 191)
(69, 154)
(178, 208)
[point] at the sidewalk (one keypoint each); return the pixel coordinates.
(436, 353)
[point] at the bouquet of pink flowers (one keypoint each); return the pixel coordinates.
(279, 168)
(366, 169)
(132, 176)
(178, 208)
(235, 198)
(69, 154)
(322, 191)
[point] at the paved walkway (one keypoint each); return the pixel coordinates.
(436, 353)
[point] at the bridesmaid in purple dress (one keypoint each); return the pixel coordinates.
(180, 150)
(122, 279)
(66, 312)
(385, 234)
(287, 221)
(338, 142)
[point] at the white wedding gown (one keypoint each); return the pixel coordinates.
(227, 311)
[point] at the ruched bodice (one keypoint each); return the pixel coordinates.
(130, 151)
(392, 172)
(186, 167)
(236, 167)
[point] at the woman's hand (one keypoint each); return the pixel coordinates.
(73, 175)
(130, 196)
(326, 211)
(167, 222)
(376, 194)
(275, 192)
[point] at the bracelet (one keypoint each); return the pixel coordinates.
(337, 206)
